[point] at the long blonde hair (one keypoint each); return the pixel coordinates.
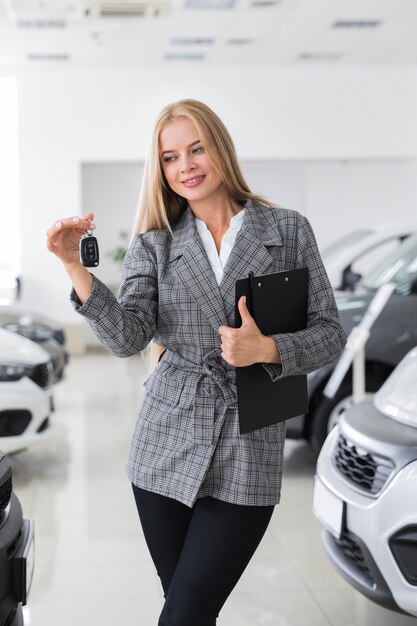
(159, 206)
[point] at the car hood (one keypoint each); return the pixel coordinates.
(11, 311)
(18, 350)
(397, 398)
(364, 424)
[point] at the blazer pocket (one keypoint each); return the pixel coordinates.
(166, 387)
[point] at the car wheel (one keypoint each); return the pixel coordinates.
(329, 411)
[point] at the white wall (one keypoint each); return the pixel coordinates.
(324, 121)
(9, 188)
(339, 194)
(111, 191)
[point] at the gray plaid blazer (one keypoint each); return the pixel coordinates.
(186, 443)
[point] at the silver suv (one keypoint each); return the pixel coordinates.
(365, 492)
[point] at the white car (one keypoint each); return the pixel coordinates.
(365, 492)
(35, 325)
(26, 400)
(340, 256)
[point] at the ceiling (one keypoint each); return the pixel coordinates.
(293, 33)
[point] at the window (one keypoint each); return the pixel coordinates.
(9, 189)
(399, 268)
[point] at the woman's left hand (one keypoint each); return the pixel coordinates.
(247, 345)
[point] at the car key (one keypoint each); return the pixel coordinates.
(89, 255)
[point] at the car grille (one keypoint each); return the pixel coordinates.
(5, 494)
(368, 471)
(353, 551)
(59, 336)
(14, 422)
(42, 375)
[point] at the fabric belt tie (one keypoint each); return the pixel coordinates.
(206, 428)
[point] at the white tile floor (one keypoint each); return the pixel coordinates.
(92, 566)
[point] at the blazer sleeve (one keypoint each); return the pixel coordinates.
(324, 338)
(126, 324)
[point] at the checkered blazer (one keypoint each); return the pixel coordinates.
(187, 443)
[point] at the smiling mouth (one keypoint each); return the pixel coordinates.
(192, 182)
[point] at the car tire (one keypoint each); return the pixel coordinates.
(329, 411)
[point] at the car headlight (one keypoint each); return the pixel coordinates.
(14, 371)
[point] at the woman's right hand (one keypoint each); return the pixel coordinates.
(63, 238)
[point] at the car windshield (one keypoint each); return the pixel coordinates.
(399, 268)
(344, 242)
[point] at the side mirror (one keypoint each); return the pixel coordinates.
(349, 279)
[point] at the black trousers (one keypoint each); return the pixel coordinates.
(199, 553)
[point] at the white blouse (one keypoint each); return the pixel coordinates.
(218, 261)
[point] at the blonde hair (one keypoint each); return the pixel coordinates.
(159, 206)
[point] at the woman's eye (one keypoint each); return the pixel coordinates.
(168, 159)
(198, 149)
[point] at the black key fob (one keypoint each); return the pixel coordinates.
(89, 251)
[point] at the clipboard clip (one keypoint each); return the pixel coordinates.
(253, 283)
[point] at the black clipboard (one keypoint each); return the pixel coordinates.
(278, 303)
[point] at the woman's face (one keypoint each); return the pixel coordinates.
(187, 168)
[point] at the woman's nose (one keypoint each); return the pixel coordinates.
(187, 163)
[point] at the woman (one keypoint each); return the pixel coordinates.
(204, 493)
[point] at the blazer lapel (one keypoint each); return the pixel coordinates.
(250, 252)
(194, 271)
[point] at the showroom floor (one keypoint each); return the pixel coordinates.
(92, 566)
